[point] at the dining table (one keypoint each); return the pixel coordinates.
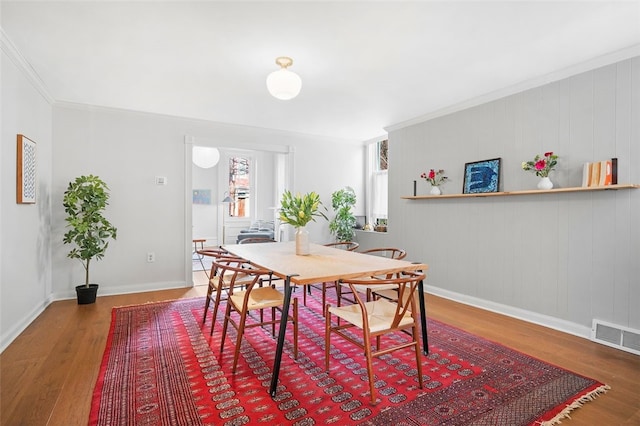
(322, 264)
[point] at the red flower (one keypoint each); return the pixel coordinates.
(432, 174)
(548, 154)
(541, 164)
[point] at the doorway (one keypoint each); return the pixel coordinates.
(222, 200)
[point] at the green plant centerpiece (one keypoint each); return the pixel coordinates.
(298, 210)
(89, 231)
(342, 225)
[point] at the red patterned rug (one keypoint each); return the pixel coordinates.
(160, 367)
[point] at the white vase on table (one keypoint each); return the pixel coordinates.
(545, 183)
(302, 241)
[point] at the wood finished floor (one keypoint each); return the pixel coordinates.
(48, 373)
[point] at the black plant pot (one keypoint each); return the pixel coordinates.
(86, 295)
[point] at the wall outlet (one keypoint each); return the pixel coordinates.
(151, 257)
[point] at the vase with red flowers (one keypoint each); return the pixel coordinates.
(435, 178)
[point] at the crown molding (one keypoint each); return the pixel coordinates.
(598, 62)
(23, 65)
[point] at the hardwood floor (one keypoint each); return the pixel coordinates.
(48, 373)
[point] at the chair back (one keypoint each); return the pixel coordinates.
(254, 240)
(232, 270)
(344, 245)
(393, 313)
(389, 252)
(212, 252)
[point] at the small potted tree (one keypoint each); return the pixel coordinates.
(89, 231)
(342, 224)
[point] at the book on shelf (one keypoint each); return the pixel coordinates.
(600, 173)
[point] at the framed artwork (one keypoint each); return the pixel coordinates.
(481, 176)
(26, 171)
(201, 196)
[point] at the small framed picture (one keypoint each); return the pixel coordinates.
(26, 171)
(482, 176)
(201, 196)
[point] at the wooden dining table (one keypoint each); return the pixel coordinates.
(323, 264)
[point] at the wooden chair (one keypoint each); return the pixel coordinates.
(388, 252)
(217, 285)
(254, 297)
(209, 252)
(343, 245)
(375, 319)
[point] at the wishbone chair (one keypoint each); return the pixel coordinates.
(377, 318)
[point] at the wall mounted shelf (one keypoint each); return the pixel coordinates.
(527, 192)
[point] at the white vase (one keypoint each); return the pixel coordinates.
(435, 190)
(545, 183)
(302, 241)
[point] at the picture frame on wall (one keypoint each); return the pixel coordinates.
(26, 176)
(201, 196)
(482, 176)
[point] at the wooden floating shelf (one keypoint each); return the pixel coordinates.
(527, 192)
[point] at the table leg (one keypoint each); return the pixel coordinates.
(423, 318)
(281, 335)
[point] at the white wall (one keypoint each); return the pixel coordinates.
(128, 150)
(25, 265)
(557, 259)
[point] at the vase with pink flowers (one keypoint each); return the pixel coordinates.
(542, 165)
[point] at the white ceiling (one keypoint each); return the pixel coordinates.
(364, 65)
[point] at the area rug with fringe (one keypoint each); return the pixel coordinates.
(161, 367)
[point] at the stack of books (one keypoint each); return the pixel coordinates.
(600, 173)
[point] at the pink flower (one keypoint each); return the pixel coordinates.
(423, 176)
(432, 174)
(541, 164)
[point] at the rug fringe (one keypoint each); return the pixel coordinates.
(576, 404)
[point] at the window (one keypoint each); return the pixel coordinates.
(239, 187)
(377, 188)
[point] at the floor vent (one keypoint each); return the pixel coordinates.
(616, 336)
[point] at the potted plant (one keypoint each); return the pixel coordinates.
(342, 224)
(299, 210)
(84, 203)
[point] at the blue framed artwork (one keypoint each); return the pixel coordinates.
(201, 196)
(481, 176)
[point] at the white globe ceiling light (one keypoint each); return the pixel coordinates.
(284, 84)
(205, 157)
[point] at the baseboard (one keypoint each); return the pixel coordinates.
(127, 289)
(510, 311)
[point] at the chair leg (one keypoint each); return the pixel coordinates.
(324, 296)
(216, 304)
(367, 353)
(273, 322)
(236, 355)
(225, 324)
(206, 308)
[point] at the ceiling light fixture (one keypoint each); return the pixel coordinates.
(284, 84)
(205, 157)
